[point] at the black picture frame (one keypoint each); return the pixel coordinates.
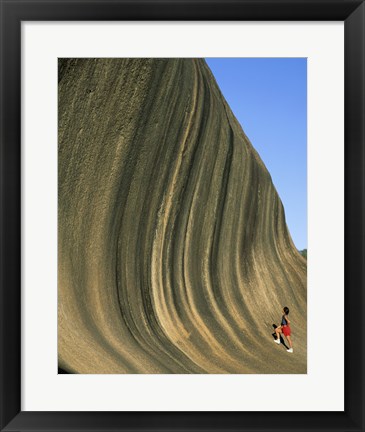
(13, 12)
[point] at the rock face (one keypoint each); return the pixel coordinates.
(173, 251)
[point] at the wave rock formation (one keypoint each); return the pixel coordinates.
(173, 251)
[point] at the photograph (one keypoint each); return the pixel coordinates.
(182, 216)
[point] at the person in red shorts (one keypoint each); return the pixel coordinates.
(285, 329)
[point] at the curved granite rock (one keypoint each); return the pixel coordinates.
(173, 251)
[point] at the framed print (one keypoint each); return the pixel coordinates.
(146, 255)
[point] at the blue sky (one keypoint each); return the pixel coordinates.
(269, 98)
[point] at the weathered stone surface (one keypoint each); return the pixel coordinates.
(174, 254)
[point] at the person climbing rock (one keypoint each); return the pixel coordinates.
(284, 328)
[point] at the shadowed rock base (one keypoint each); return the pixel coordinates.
(173, 251)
